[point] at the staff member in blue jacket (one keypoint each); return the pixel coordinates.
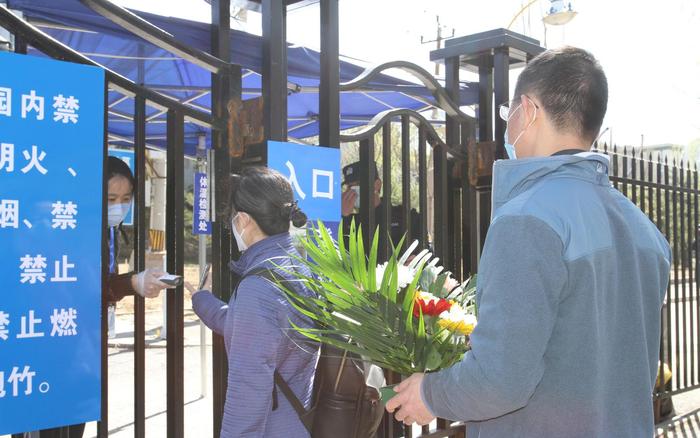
(256, 322)
(572, 280)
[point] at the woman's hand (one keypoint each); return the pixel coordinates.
(146, 283)
(193, 290)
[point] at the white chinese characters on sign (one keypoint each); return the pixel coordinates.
(64, 322)
(64, 215)
(17, 377)
(4, 322)
(61, 272)
(5, 101)
(7, 157)
(35, 159)
(66, 109)
(32, 102)
(28, 327)
(9, 213)
(293, 180)
(317, 192)
(33, 269)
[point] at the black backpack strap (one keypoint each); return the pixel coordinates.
(293, 400)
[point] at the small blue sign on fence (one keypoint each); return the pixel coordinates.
(51, 154)
(314, 173)
(128, 157)
(201, 220)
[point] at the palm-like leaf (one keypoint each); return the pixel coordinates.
(349, 301)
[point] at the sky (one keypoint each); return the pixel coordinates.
(650, 51)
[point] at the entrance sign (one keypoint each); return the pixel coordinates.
(51, 154)
(314, 173)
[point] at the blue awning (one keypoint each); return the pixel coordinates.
(79, 27)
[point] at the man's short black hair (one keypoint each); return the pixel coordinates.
(571, 86)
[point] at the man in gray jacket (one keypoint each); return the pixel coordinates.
(571, 284)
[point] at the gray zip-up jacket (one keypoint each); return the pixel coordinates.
(572, 280)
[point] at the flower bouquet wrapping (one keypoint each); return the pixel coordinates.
(406, 315)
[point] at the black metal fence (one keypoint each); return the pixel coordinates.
(666, 189)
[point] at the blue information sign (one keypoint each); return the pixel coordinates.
(314, 173)
(201, 221)
(51, 154)
(128, 157)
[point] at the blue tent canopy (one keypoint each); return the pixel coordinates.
(77, 26)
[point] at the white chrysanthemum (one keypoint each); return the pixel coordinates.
(457, 320)
(406, 275)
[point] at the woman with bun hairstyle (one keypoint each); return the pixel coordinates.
(257, 321)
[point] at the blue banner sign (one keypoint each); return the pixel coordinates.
(51, 155)
(314, 173)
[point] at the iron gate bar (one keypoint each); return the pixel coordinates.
(674, 244)
(501, 69)
(174, 231)
(57, 50)
(406, 176)
(274, 77)
(423, 186)
(385, 243)
(416, 118)
(154, 35)
(367, 178)
(440, 212)
(444, 101)
(681, 288)
(694, 269)
(225, 87)
(329, 98)
(486, 107)
(103, 424)
(140, 265)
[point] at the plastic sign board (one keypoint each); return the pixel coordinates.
(51, 161)
(201, 220)
(314, 173)
(128, 157)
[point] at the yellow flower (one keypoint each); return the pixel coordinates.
(457, 320)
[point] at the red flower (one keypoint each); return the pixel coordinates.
(430, 305)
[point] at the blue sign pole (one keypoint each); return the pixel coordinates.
(314, 173)
(51, 153)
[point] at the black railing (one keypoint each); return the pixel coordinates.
(666, 189)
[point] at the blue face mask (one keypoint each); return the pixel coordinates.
(116, 213)
(510, 147)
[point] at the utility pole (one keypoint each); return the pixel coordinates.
(438, 40)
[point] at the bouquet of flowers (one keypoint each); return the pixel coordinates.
(405, 315)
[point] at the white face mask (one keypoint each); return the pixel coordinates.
(242, 246)
(116, 213)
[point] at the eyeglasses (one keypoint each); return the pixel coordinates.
(504, 110)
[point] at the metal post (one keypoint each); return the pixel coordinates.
(501, 65)
(225, 86)
(175, 265)
(486, 104)
(329, 94)
(203, 166)
(274, 75)
(140, 265)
